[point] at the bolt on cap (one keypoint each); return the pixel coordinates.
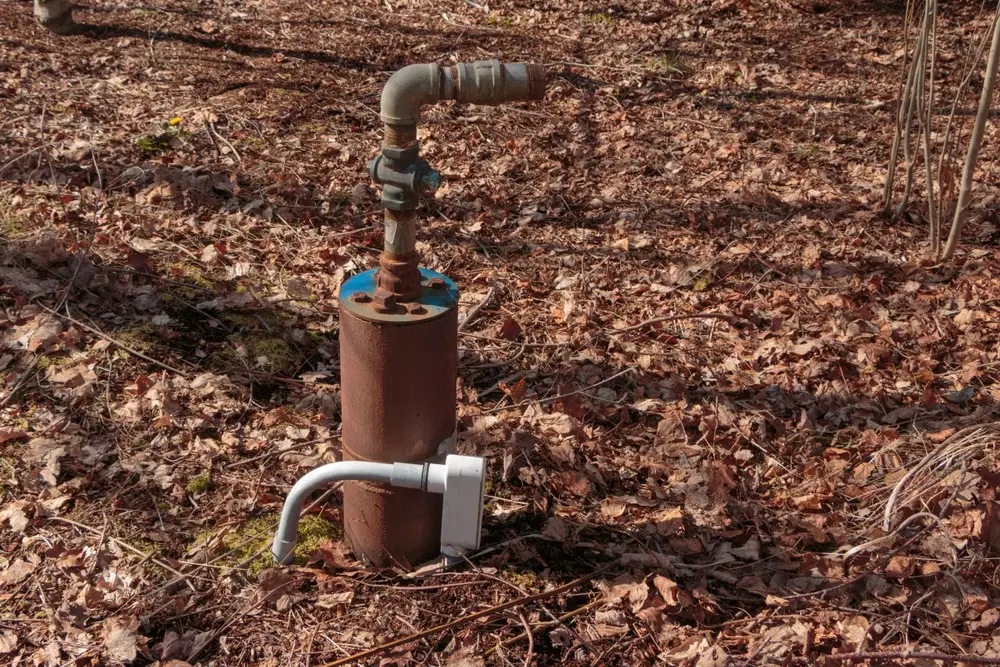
(384, 303)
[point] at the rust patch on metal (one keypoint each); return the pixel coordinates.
(399, 136)
(536, 81)
(399, 276)
(398, 398)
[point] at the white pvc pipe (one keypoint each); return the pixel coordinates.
(426, 476)
(288, 528)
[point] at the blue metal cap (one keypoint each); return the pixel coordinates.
(438, 295)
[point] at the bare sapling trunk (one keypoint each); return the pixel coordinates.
(919, 67)
(905, 81)
(55, 15)
(975, 142)
(945, 172)
(926, 115)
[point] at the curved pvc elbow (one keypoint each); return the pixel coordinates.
(285, 539)
(460, 478)
(407, 90)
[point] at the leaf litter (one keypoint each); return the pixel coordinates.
(702, 361)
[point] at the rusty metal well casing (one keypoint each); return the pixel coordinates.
(398, 369)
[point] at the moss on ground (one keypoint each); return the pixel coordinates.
(671, 63)
(190, 273)
(521, 578)
(252, 541)
(47, 361)
(276, 355)
(8, 471)
(198, 484)
(147, 547)
(138, 337)
(12, 228)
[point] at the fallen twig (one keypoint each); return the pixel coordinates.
(904, 655)
(551, 399)
(108, 338)
(269, 453)
(81, 253)
(545, 625)
(470, 617)
(963, 445)
(205, 642)
(211, 128)
(496, 385)
(531, 638)
(478, 307)
(19, 157)
(731, 319)
(128, 547)
(22, 378)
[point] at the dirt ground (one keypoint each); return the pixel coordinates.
(730, 415)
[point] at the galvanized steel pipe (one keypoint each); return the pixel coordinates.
(482, 82)
(399, 169)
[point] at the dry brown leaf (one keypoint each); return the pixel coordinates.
(11, 434)
(16, 572)
(340, 600)
(668, 590)
(899, 567)
(613, 508)
(8, 642)
(121, 639)
(573, 481)
(555, 529)
(510, 329)
(853, 629)
(466, 656)
(669, 522)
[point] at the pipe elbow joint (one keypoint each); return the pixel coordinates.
(407, 90)
(487, 82)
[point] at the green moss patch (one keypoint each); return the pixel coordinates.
(252, 541)
(274, 355)
(525, 579)
(199, 484)
(671, 64)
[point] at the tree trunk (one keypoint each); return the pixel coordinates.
(919, 67)
(965, 192)
(906, 77)
(55, 15)
(927, 119)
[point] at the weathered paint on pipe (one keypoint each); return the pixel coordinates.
(398, 372)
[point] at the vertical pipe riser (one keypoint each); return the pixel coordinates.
(398, 375)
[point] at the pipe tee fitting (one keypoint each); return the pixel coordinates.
(401, 182)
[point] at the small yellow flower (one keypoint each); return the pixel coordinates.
(176, 120)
